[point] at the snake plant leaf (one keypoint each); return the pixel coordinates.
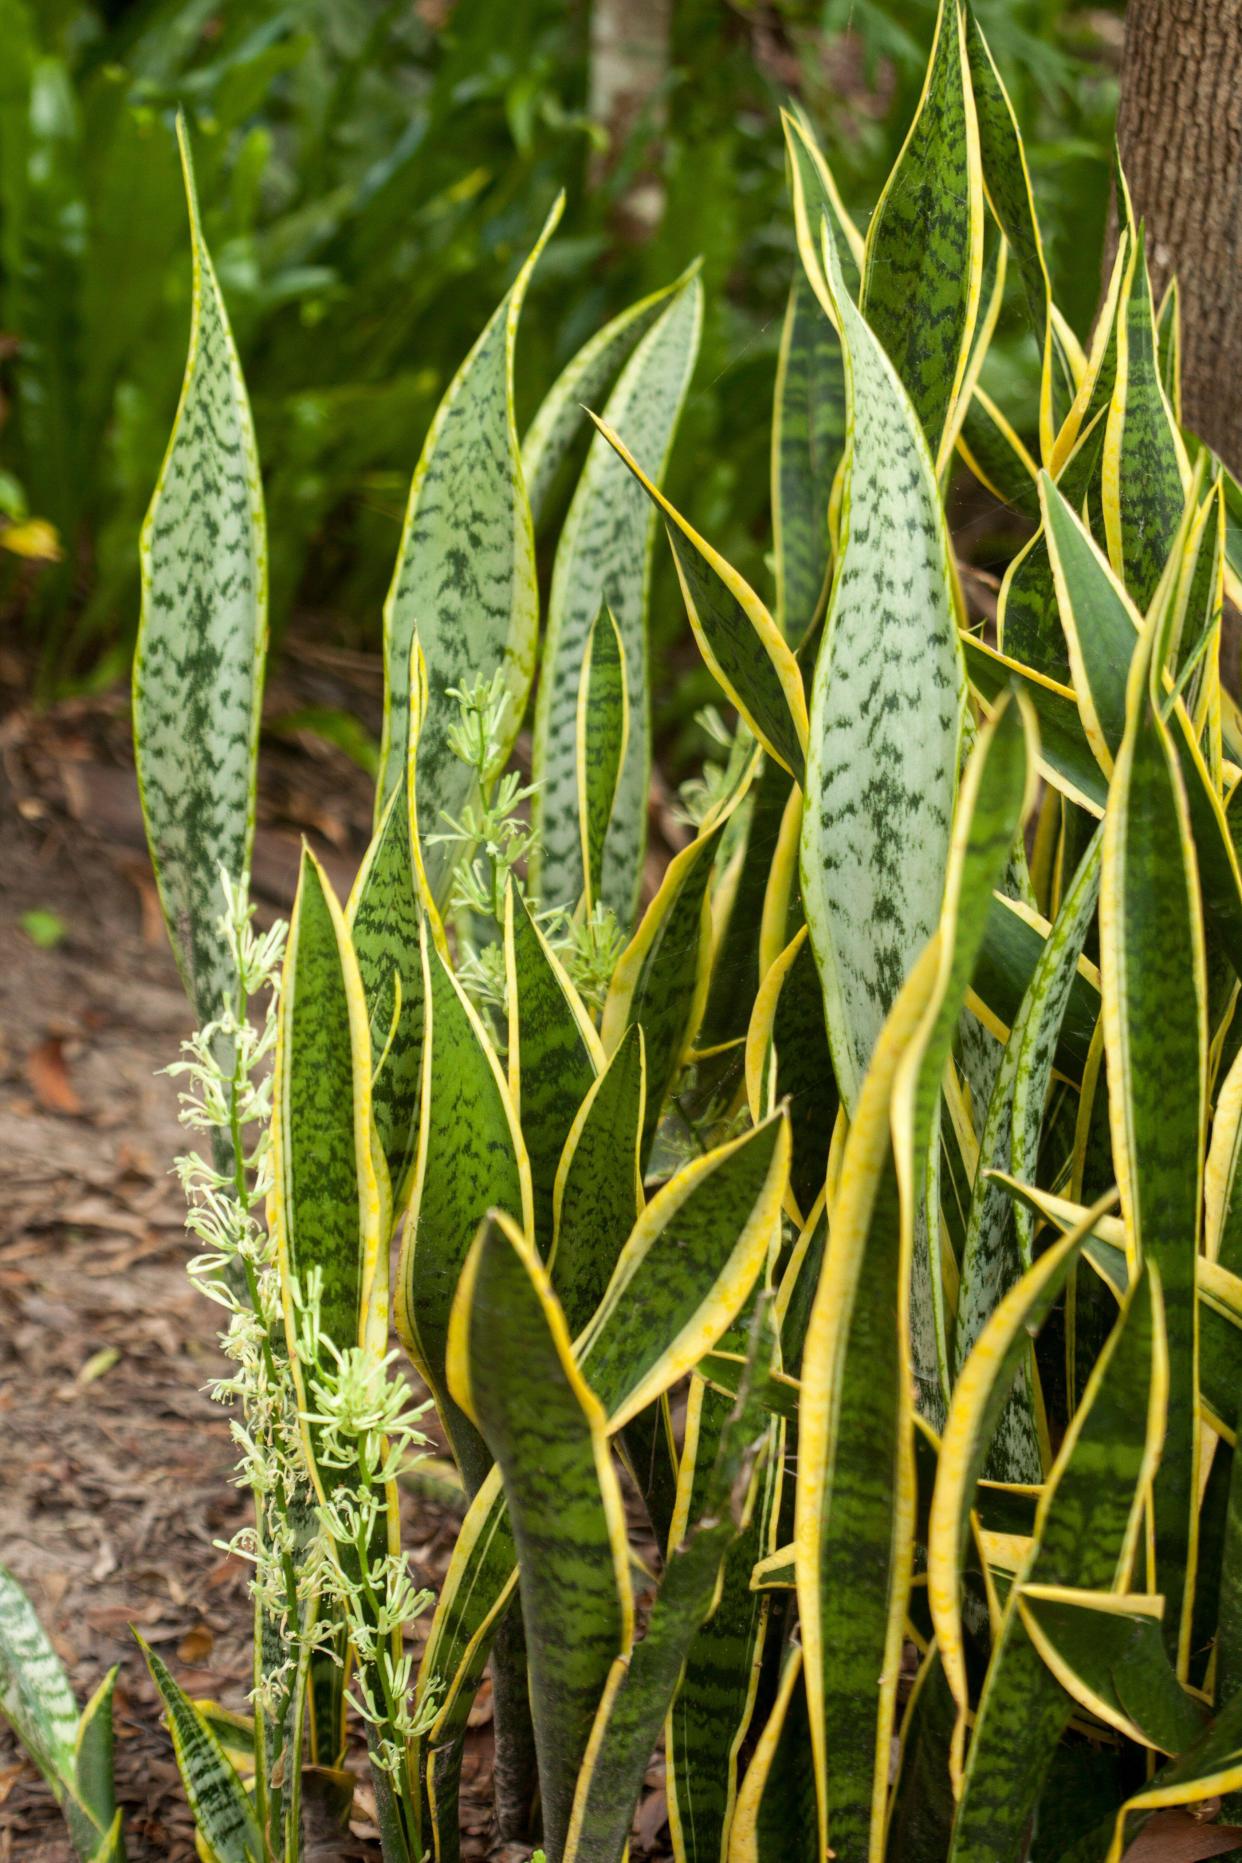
(661, 977)
(997, 794)
(1066, 759)
(1007, 181)
(511, 1369)
(603, 732)
(1154, 990)
(465, 574)
(744, 649)
(757, 879)
(598, 1191)
(788, 1023)
(215, 1794)
(35, 1696)
(817, 204)
(644, 1679)
(1101, 623)
(1013, 939)
(923, 269)
(93, 1749)
(1000, 1235)
(1107, 1650)
(997, 456)
(1169, 347)
(1086, 1533)
(1222, 1187)
(774, 1820)
(855, 1497)
(202, 636)
(886, 716)
(808, 440)
(383, 915)
(554, 1053)
(1207, 1769)
(584, 381)
(328, 1203)
(1145, 469)
(693, 1256)
(111, 1846)
(604, 557)
(711, 1714)
(921, 1816)
(471, 1158)
(979, 1399)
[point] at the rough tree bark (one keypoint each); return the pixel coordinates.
(1179, 127)
(628, 70)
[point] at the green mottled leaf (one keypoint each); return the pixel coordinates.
(554, 1053)
(808, 440)
(923, 268)
(92, 1763)
(383, 914)
(198, 664)
(817, 204)
(643, 1681)
(583, 381)
(922, 1809)
(1086, 1532)
(886, 716)
(997, 456)
(35, 1696)
(471, 1159)
(1012, 942)
(1107, 1651)
(775, 1821)
(603, 732)
(1065, 755)
(214, 1792)
(1144, 463)
(604, 556)
(511, 1368)
(1100, 621)
(1000, 1236)
(465, 575)
(789, 1020)
(741, 643)
(598, 1191)
(1153, 987)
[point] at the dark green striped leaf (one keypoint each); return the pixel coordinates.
(775, 1820)
(470, 1159)
(1065, 756)
(789, 1020)
(604, 556)
(808, 441)
(603, 732)
(923, 269)
(886, 716)
(1100, 621)
(198, 665)
(511, 1368)
(214, 1792)
(817, 205)
(598, 1191)
(554, 1054)
(1107, 1651)
(465, 575)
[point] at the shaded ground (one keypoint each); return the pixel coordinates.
(118, 1466)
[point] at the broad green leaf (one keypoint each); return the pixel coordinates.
(604, 557)
(1153, 987)
(327, 1203)
(886, 716)
(711, 1714)
(35, 1696)
(598, 1191)
(554, 1053)
(1086, 1533)
(383, 914)
(1008, 183)
(774, 1820)
(644, 1680)
(198, 664)
(744, 649)
(92, 1762)
(923, 269)
(1145, 470)
(808, 440)
(603, 732)
(215, 1794)
(998, 791)
(511, 1369)
(979, 1398)
(471, 1159)
(1107, 1650)
(465, 575)
(999, 1236)
(583, 381)
(855, 1497)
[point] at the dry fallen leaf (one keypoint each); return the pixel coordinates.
(49, 1078)
(196, 1645)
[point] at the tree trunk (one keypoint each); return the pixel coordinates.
(628, 71)
(1179, 128)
